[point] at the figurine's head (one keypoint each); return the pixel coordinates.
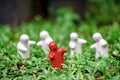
(44, 35)
(97, 36)
(74, 36)
(53, 46)
(24, 38)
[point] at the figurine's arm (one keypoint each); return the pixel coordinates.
(93, 46)
(82, 41)
(71, 45)
(104, 43)
(22, 48)
(64, 50)
(39, 43)
(32, 42)
(51, 55)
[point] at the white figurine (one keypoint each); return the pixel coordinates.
(46, 39)
(23, 46)
(100, 46)
(76, 43)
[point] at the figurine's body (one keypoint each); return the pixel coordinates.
(56, 55)
(46, 39)
(23, 46)
(100, 46)
(76, 44)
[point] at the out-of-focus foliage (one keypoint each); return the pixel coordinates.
(103, 11)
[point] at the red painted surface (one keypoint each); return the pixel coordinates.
(56, 55)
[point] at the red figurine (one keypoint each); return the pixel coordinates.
(56, 55)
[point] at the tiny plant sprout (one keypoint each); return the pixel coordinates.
(24, 45)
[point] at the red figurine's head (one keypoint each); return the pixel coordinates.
(53, 46)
